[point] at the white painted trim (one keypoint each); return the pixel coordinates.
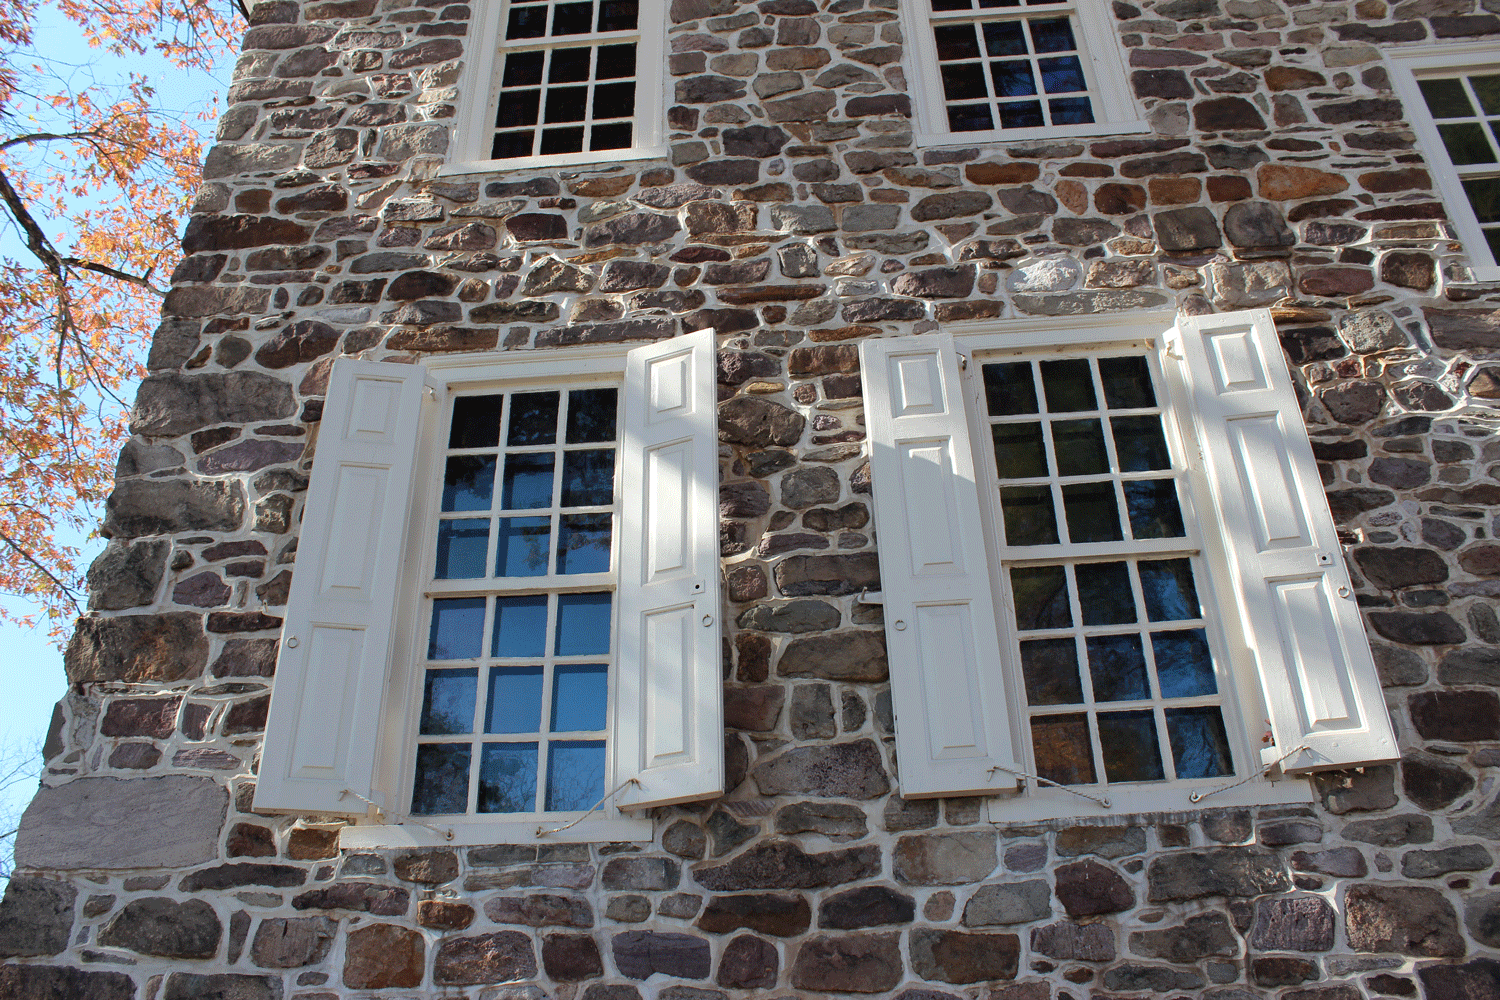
(1407, 64)
(590, 831)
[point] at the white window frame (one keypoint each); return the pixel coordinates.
(348, 747)
(1115, 108)
(479, 90)
(1408, 64)
(941, 756)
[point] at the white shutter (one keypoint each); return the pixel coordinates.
(948, 683)
(1298, 608)
(669, 711)
(325, 701)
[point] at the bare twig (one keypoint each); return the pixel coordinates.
(67, 591)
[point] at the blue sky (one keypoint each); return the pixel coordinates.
(31, 670)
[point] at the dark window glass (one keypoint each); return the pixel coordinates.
(614, 62)
(1008, 389)
(573, 19)
(1071, 111)
(1012, 79)
(533, 418)
(1004, 38)
(569, 65)
(591, 415)
(970, 118)
(527, 22)
(1062, 75)
(522, 69)
(1446, 98)
(566, 104)
(613, 100)
(1050, 667)
(963, 81)
(476, 422)
(1052, 34)
(956, 41)
(508, 145)
(562, 140)
(518, 108)
(618, 15)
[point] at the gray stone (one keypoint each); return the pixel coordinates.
(832, 820)
(639, 954)
(781, 915)
(165, 927)
(641, 873)
(867, 906)
(1093, 942)
(808, 487)
(503, 956)
(1482, 917)
(1103, 841)
(1088, 888)
(1224, 871)
(944, 859)
(399, 143)
(1294, 923)
(1478, 979)
(1342, 862)
(750, 420)
(1156, 978)
(292, 942)
(844, 770)
(1390, 831)
(959, 957)
(1406, 920)
(172, 403)
(1258, 225)
(46, 982)
(811, 715)
(790, 616)
(1182, 230)
(685, 840)
(1470, 665)
(223, 986)
(1009, 903)
(1246, 284)
(1197, 937)
(167, 506)
(540, 910)
(36, 916)
(95, 823)
(780, 864)
(857, 656)
(126, 576)
(1048, 274)
(1370, 332)
(1432, 783)
(1444, 861)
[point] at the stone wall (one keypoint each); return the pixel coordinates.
(795, 216)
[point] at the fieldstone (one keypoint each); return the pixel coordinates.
(1463, 329)
(780, 864)
(802, 488)
(1284, 970)
(944, 859)
(811, 714)
(748, 962)
(641, 873)
(157, 507)
(1156, 978)
(1048, 274)
(1416, 628)
(628, 909)
(1197, 937)
(867, 906)
(831, 819)
(94, 823)
(631, 229)
(1088, 888)
(171, 403)
(36, 916)
(360, 897)
(805, 576)
(1391, 831)
(1444, 861)
(569, 958)
(220, 986)
(960, 957)
(684, 839)
(427, 867)
(155, 717)
(1391, 567)
(851, 963)
(1432, 783)
(1407, 920)
(844, 770)
(950, 205)
(1093, 942)
(1104, 841)
(936, 283)
(246, 658)
(235, 875)
(540, 910)
(769, 913)
(1482, 917)
(639, 954)
(1183, 230)
(1341, 862)
(1458, 716)
(127, 575)
(1009, 903)
(1223, 871)
(1290, 832)
(46, 982)
(1477, 979)
(1257, 225)
(790, 616)
(498, 957)
(1284, 182)
(379, 956)
(751, 420)
(165, 927)
(1370, 332)
(291, 942)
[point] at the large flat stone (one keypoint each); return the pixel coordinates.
(136, 648)
(36, 916)
(45, 982)
(98, 823)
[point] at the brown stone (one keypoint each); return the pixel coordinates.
(781, 864)
(640, 954)
(379, 956)
(944, 859)
(963, 957)
(748, 962)
(1457, 716)
(569, 958)
(854, 963)
(782, 915)
(292, 942)
(498, 957)
(444, 915)
(1406, 920)
(1088, 888)
(135, 648)
(1283, 182)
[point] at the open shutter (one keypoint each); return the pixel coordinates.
(669, 711)
(325, 703)
(1300, 616)
(947, 680)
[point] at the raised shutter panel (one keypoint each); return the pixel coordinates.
(948, 683)
(669, 711)
(1300, 617)
(325, 702)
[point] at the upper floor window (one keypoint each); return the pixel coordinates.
(562, 81)
(1018, 68)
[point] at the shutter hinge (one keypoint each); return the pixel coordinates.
(1172, 349)
(963, 361)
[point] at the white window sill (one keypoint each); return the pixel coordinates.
(589, 158)
(1129, 800)
(1094, 130)
(470, 834)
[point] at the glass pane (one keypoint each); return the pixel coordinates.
(1446, 98)
(583, 543)
(1068, 385)
(1139, 444)
(1019, 450)
(573, 19)
(613, 62)
(528, 482)
(1071, 111)
(1200, 748)
(1129, 748)
(448, 702)
(618, 15)
(461, 548)
(970, 118)
(1466, 143)
(521, 549)
(507, 778)
(520, 626)
(1062, 76)
(509, 144)
(1484, 198)
(963, 81)
(1061, 745)
(1052, 35)
(575, 775)
(1127, 383)
(1092, 513)
(1013, 78)
(610, 136)
(956, 41)
(588, 477)
(1104, 593)
(1023, 115)
(1117, 666)
(1004, 38)
(591, 414)
(1487, 89)
(1184, 669)
(582, 624)
(580, 695)
(1167, 585)
(566, 104)
(515, 700)
(1050, 667)
(562, 140)
(442, 779)
(1029, 519)
(614, 100)
(1041, 596)
(527, 22)
(457, 631)
(1008, 389)
(522, 69)
(533, 418)
(518, 107)
(476, 422)
(1154, 513)
(1492, 237)
(942, 5)
(1079, 447)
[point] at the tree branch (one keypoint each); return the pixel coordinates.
(66, 590)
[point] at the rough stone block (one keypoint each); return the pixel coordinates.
(95, 823)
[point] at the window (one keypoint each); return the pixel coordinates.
(1452, 97)
(462, 656)
(569, 81)
(1137, 609)
(1019, 69)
